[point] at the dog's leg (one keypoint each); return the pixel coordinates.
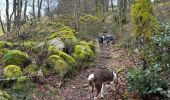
(98, 87)
(102, 91)
(92, 88)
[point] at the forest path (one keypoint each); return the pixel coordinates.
(111, 57)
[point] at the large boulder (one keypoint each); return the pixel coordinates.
(21, 84)
(59, 65)
(15, 57)
(70, 60)
(13, 71)
(82, 52)
(57, 43)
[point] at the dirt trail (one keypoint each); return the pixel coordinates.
(110, 57)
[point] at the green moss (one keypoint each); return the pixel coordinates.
(31, 70)
(4, 44)
(52, 51)
(143, 19)
(89, 18)
(29, 44)
(4, 95)
(82, 52)
(21, 83)
(70, 60)
(14, 57)
(4, 51)
(65, 20)
(13, 71)
(65, 33)
(53, 58)
(59, 65)
(87, 44)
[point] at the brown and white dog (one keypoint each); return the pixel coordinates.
(99, 78)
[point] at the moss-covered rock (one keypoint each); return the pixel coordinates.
(21, 84)
(52, 51)
(82, 52)
(65, 33)
(15, 57)
(4, 95)
(59, 65)
(4, 51)
(57, 42)
(70, 60)
(86, 44)
(53, 58)
(13, 71)
(4, 44)
(31, 70)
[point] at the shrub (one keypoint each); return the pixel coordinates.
(149, 81)
(15, 57)
(13, 71)
(154, 78)
(143, 20)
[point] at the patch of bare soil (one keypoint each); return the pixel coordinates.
(77, 88)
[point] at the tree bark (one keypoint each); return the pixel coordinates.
(39, 8)
(14, 11)
(111, 1)
(122, 4)
(33, 8)
(7, 16)
(97, 8)
(25, 10)
(2, 26)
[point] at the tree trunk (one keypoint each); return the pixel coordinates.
(33, 8)
(97, 8)
(14, 11)
(25, 11)
(77, 14)
(7, 16)
(122, 4)
(111, 1)
(39, 8)
(2, 26)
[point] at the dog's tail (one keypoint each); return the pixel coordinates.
(91, 77)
